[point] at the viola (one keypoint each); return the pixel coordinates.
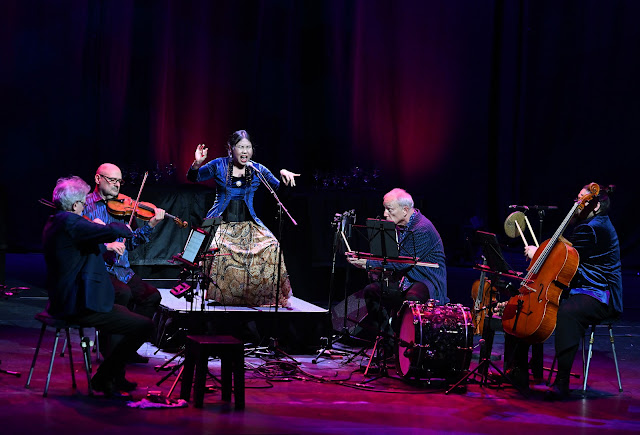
(481, 293)
(532, 314)
(126, 206)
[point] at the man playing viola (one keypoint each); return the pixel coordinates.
(131, 291)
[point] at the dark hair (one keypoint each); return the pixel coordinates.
(603, 199)
(236, 137)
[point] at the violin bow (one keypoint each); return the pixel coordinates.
(135, 204)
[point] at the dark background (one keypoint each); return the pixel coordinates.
(469, 105)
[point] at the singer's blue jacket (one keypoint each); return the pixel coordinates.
(218, 169)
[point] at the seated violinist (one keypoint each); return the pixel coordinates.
(131, 291)
(78, 284)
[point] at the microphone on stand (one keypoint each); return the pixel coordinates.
(519, 207)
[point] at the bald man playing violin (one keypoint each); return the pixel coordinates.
(131, 291)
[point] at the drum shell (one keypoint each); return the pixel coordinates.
(436, 341)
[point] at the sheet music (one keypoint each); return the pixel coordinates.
(193, 246)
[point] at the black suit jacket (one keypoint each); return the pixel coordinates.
(76, 275)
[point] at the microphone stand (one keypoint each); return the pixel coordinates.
(273, 342)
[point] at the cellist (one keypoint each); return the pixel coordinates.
(595, 292)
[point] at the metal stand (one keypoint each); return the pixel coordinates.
(340, 221)
(482, 370)
(274, 347)
(9, 372)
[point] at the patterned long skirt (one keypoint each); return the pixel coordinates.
(245, 269)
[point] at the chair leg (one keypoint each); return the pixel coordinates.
(73, 373)
(53, 356)
(86, 353)
(615, 357)
(35, 355)
(97, 346)
(589, 355)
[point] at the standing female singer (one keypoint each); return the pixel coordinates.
(245, 272)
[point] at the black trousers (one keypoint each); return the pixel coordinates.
(575, 315)
(383, 303)
(140, 298)
(137, 295)
(131, 328)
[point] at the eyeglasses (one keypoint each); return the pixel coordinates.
(112, 180)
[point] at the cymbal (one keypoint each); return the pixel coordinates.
(510, 224)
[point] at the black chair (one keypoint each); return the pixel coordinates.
(61, 325)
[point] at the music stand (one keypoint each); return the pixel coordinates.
(497, 266)
(383, 243)
(342, 223)
(196, 249)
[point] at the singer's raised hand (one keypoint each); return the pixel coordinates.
(288, 177)
(200, 155)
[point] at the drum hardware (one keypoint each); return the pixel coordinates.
(495, 268)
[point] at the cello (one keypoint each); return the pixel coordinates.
(532, 314)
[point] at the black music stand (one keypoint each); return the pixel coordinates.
(383, 243)
(497, 267)
(196, 250)
(341, 222)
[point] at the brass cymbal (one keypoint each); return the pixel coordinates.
(510, 224)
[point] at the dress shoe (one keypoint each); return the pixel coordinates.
(519, 378)
(102, 385)
(107, 387)
(136, 358)
(122, 384)
(557, 392)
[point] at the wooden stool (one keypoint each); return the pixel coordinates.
(60, 325)
(198, 350)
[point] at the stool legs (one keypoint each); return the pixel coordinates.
(615, 357)
(187, 373)
(86, 346)
(238, 378)
(35, 355)
(590, 354)
(232, 368)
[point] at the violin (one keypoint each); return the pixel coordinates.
(124, 206)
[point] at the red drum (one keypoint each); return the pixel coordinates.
(435, 341)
